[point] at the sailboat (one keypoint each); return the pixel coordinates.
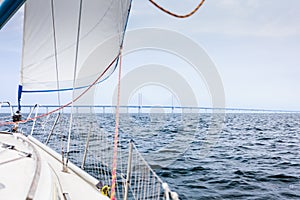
(68, 48)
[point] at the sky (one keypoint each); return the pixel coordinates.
(254, 44)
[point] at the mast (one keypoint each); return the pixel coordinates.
(7, 9)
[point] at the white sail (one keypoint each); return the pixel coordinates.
(51, 28)
(70, 44)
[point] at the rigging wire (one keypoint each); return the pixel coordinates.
(55, 52)
(177, 15)
(57, 74)
(74, 80)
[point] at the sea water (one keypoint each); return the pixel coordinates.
(252, 156)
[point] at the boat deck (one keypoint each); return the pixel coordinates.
(17, 167)
(31, 170)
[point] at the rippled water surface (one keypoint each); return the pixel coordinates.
(254, 156)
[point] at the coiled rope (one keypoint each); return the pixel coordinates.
(177, 15)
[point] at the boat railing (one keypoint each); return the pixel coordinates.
(92, 150)
(5, 105)
(36, 109)
(8, 105)
(141, 179)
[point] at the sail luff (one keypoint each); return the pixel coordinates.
(20, 87)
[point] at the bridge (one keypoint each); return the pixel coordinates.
(6, 107)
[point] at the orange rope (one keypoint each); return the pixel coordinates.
(114, 165)
(176, 15)
(55, 110)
